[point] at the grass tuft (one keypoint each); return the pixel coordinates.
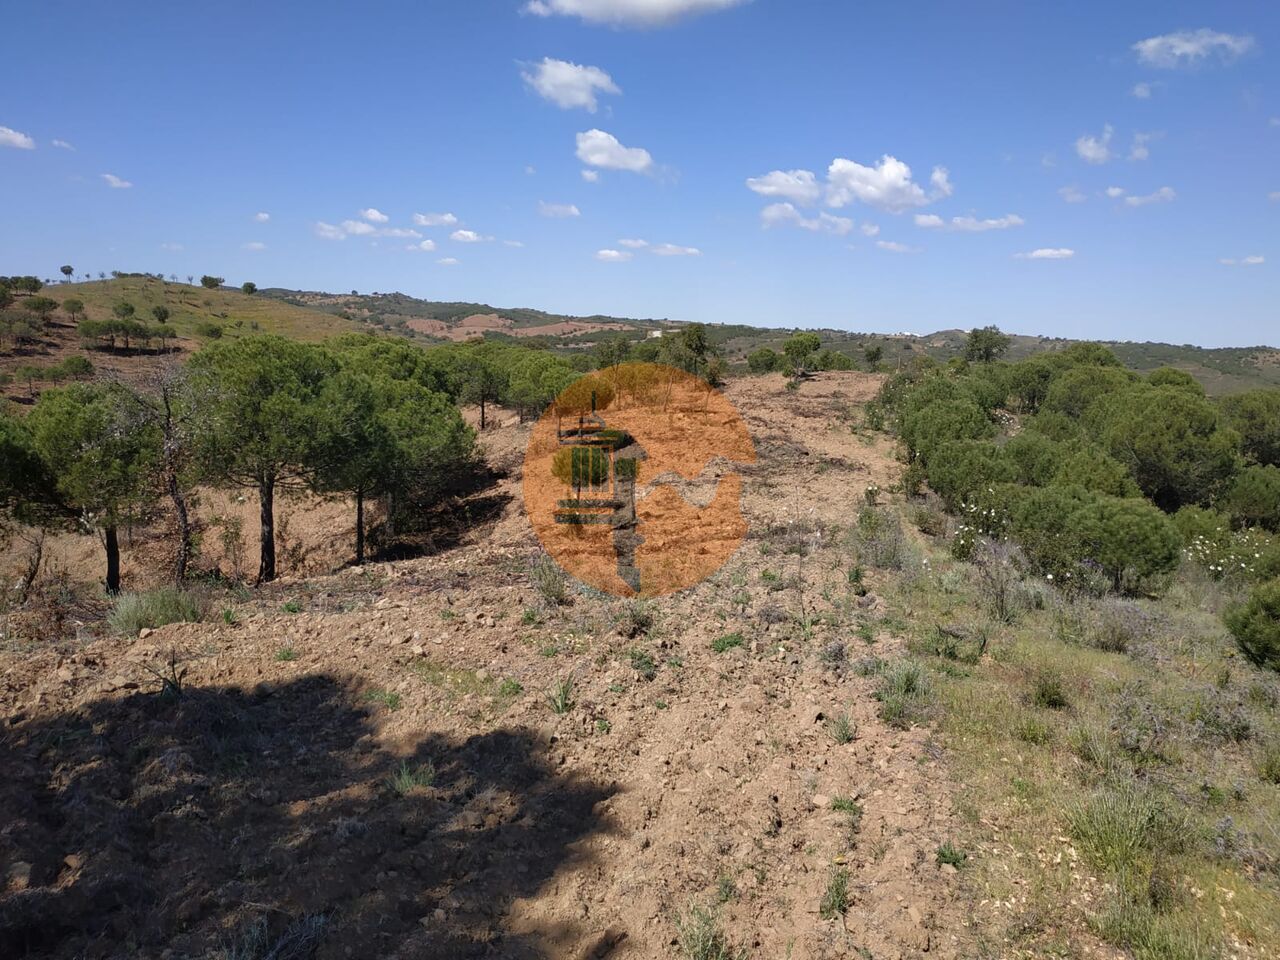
(153, 608)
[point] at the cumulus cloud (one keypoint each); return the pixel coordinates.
(870, 230)
(358, 228)
(1047, 253)
(894, 247)
(398, 232)
(599, 149)
(634, 244)
(435, 219)
(968, 224)
(426, 246)
(468, 236)
(1139, 149)
(115, 183)
(1187, 47)
(262, 217)
(627, 13)
(887, 186)
(374, 215)
(1114, 192)
(255, 245)
(12, 138)
(1071, 194)
(512, 243)
(591, 176)
(798, 186)
(672, 250)
(1141, 91)
(558, 211)
(1163, 195)
(777, 214)
(63, 145)
(448, 261)
(1251, 261)
(568, 85)
(1093, 149)
(327, 231)
(613, 256)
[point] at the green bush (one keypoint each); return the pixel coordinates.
(153, 608)
(931, 426)
(1036, 458)
(1075, 391)
(1253, 499)
(959, 468)
(764, 360)
(1256, 625)
(1096, 470)
(1173, 377)
(1130, 540)
(1255, 415)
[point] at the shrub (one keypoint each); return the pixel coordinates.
(960, 467)
(153, 608)
(763, 360)
(999, 576)
(636, 619)
(701, 939)
(950, 854)
(1094, 469)
(406, 779)
(835, 899)
(1255, 415)
(209, 330)
(1130, 540)
(1256, 625)
(1253, 499)
(1073, 392)
(549, 580)
(878, 539)
(1119, 625)
(727, 642)
(1035, 458)
(933, 425)
(1048, 690)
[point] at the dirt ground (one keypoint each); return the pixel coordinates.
(256, 806)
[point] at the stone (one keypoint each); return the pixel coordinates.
(821, 800)
(19, 875)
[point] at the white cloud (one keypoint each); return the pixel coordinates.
(1187, 47)
(1274, 196)
(1047, 253)
(1114, 192)
(398, 232)
(777, 214)
(374, 215)
(261, 217)
(1163, 195)
(530, 170)
(468, 236)
(63, 145)
(425, 246)
(968, 224)
(629, 13)
(568, 85)
(327, 231)
(634, 244)
(435, 219)
(255, 245)
(671, 250)
(1252, 261)
(358, 228)
(870, 230)
(1093, 149)
(171, 247)
(591, 176)
(1071, 194)
(894, 247)
(599, 149)
(448, 261)
(115, 183)
(614, 256)
(798, 186)
(558, 211)
(12, 138)
(887, 186)
(512, 243)
(1139, 149)
(1141, 90)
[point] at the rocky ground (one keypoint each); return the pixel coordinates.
(429, 758)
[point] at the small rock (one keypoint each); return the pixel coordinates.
(821, 800)
(144, 633)
(482, 674)
(948, 868)
(20, 875)
(418, 650)
(73, 861)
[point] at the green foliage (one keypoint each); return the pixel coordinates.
(407, 779)
(1121, 827)
(949, 854)
(1253, 499)
(160, 312)
(727, 642)
(832, 360)
(1094, 469)
(1073, 392)
(985, 344)
(40, 306)
(1256, 625)
(1130, 540)
(211, 283)
(1028, 382)
(1256, 417)
(835, 899)
(764, 360)
(700, 937)
(249, 288)
(960, 467)
(153, 608)
(25, 480)
(932, 425)
(799, 349)
(904, 692)
(1173, 377)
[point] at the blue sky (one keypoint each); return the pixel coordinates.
(1077, 170)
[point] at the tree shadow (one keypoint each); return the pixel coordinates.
(267, 821)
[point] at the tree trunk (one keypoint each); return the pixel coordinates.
(482, 412)
(184, 528)
(113, 560)
(266, 507)
(359, 527)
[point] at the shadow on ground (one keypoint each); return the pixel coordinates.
(261, 823)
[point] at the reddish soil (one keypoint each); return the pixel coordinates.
(257, 802)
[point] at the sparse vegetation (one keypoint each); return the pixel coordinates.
(133, 612)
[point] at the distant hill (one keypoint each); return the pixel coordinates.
(197, 314)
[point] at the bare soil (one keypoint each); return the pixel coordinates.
(139, 821)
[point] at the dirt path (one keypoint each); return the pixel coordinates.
(147, 826)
